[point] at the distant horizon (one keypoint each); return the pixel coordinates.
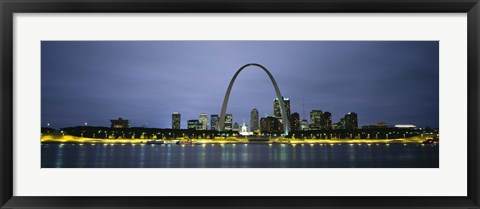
(389, 125)
(360, 127)
(93, 82)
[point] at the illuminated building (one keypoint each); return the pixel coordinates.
(405, 126)
(295, 121)
(214, 122)
(326, 121)
(120, 123)
(276, 107)
(244, 130)
(254, 120)
(176, 120)
(315, 119)
(236, 127)
(351, 121)
(304, 125)
(194, 124)
(277, 112)
(203, 118)
(228, 122)
(270, 124)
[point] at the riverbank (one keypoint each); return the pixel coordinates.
(83, 140)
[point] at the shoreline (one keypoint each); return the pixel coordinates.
(80, 140)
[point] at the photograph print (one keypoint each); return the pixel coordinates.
(240, 104)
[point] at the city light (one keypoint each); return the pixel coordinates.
(179, 114)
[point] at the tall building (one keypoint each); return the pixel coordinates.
(315, 119)
(203, 118)
(176, 120)
(214, 122)
(351, 121)
(120, 123)
(295, 122)
(326, 121)
(276, 107)
(277, 112)
(228, 122)
(254, 120)
(194, 124)
(270, 124)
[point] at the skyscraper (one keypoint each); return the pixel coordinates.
(295, 122)
(214, 122)
(176, 120)
(351, 121)
(277, 112)
(326, 122)
(203, 118)
(315, 119)
(254, 120)
(276, 107)
(228, 122)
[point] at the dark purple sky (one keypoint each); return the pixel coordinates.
(145, 81)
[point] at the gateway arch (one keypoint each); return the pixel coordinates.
(277, 91)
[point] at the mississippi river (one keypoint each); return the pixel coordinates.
(240, 156)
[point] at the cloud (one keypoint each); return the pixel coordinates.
(148, 80)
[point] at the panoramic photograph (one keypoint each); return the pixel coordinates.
(240, 104)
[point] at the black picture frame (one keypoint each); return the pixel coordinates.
(9, 7)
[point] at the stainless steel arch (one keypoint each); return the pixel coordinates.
(277, 91)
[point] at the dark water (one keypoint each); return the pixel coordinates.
(240, 156)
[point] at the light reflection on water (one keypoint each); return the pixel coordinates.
(240, 156)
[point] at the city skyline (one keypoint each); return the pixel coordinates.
(146, 81)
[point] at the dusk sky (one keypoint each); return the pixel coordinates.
(92, 82)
